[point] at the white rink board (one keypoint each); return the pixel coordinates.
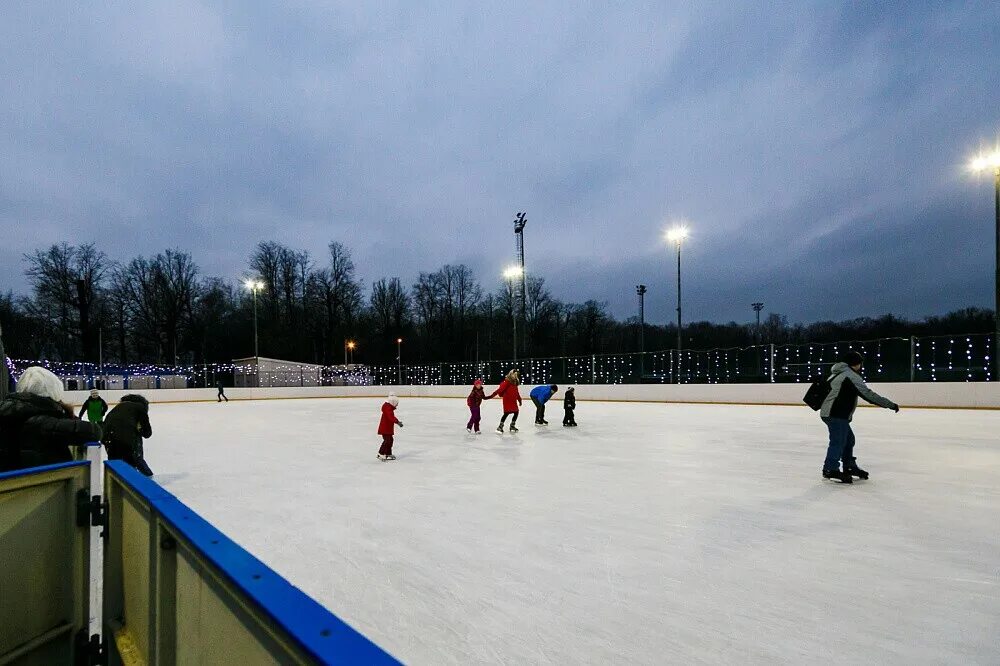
(971, 395)
(651, 534)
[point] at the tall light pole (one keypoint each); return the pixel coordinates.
(520, 220)
(677, 236)
(255, 286)
(640, 289)
(757, 307)
(511, 274)
(348, 345)
(399, 361)
(983, 163)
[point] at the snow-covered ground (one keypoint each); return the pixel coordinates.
(652, 534)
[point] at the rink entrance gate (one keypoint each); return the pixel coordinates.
(174, 589)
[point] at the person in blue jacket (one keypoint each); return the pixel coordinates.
(541, 395)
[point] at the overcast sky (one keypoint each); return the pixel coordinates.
(815, 149)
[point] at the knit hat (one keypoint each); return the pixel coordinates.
(392, 400)
(478, 382)
(39, 381)
(853, 358)
(93, 393)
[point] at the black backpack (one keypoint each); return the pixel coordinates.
(817, 393)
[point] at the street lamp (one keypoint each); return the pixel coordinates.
(254, 286)
(640, 290)
(511, 274)
(399, 361)
(348, 345)
(982, 163)
(757, 307)
(677, 236)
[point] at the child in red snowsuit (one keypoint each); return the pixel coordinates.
(386, 427)
(474, 400)
(511, 399)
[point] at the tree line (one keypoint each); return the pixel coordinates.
(164, 309)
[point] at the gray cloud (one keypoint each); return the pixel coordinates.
(816, 151)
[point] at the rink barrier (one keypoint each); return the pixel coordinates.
(930, 395)
(44, 565)
(178, 591)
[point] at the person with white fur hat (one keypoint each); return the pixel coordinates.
(386, 427)
(36, 427)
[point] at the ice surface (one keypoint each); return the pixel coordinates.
(652, 534)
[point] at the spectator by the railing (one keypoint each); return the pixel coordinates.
(838, 410)
(36, 427)
(125, 428)
(94, 407)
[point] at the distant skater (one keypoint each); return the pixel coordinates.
(94, 407)
(838, 410)
(222, 391)
(511, 399)
(386, 426)
(541, 395)
(474, 401)
(569, 407)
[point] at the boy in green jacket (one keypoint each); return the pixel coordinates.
(94, 407)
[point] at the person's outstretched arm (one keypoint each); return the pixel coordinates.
(870, 395)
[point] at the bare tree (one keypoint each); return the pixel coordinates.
(67, 281)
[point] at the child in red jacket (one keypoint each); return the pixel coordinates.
(474, 400)
(511, 399)
(386, 427)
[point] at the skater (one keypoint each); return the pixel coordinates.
(569, 406)
(837, 411)
(94, 407)
(125, 428)
(222, 391)
(474, 400)
(541, 395)
(386, 426)
(511, 399)
(36, 427)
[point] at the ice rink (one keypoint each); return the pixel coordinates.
(651, 534)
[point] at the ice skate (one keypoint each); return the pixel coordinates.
(854, 470)
(478, 432)
(513, 428)
(500, 428)
(383, 457)
(468, 430)
(390, 457)
(843, 477)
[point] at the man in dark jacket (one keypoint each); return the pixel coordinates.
(36, 428)
(125, 428)
(846, 385)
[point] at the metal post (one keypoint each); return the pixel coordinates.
(913, 358)
(757, 307)
(679, 324)
(399, 362)
(640, 289)
(345, 352)
(772, 362)
(996, 286)
(593, 368)
(256, 350)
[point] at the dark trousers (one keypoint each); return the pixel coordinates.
(841, 444)
(386, 448)
(222, 396)
(506, 414)
(474, 418)
(539, 410)
(568, 417)
(124, 452)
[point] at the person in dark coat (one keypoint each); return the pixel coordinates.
(94, 407)
(124, 429)
(569, 407)
(222, 391)
(36, 427)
